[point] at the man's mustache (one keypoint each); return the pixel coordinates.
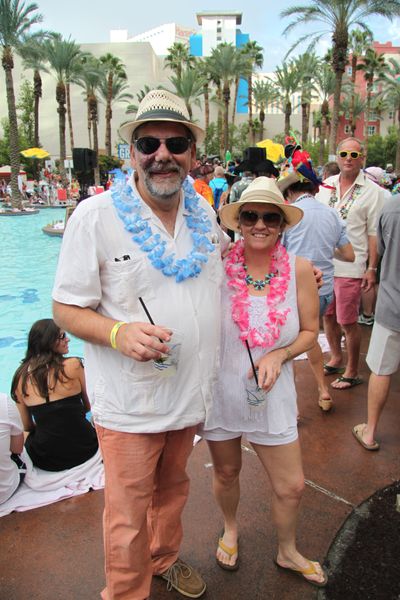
(163, 168)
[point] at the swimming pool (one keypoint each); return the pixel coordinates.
(28, 260)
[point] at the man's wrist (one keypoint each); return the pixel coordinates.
(372, 269)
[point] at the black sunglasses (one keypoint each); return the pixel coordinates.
(62, 336)
(175, 145)
(251, 217)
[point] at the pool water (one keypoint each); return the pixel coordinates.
(28, 260)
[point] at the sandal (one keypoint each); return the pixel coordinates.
(325, 404)
(358, 431)
(333, 370)
(352, 381)
(314, 568)
(229, 551)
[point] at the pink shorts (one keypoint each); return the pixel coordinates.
(346, 300)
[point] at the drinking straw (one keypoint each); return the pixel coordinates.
(146, 311)
(148, 314)
(252, 363)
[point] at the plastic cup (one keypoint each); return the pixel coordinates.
(167, 365)
(255, 396)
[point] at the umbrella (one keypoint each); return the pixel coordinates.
(274, 151)
(35, 153)
(6, 170)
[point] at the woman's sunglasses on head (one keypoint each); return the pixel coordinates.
(352, 153)
(175, 145)
(251, 217)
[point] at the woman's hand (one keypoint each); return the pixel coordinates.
(269, 368)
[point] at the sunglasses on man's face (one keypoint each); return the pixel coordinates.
(251, 217)
(175, 145)
(352, 153)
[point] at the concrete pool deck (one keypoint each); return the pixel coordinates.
(55, 552)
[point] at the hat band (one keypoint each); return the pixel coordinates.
(159, 115)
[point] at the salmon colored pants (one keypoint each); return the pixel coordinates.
(146, 488)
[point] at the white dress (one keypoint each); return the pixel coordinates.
(230, 409)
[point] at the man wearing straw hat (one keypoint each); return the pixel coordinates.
(140, 267)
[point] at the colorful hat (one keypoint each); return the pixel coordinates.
(300, 168)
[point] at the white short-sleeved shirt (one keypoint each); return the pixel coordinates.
(10, 424)
(361, 220)
(127, 395)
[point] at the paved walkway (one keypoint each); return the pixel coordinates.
(55, 552)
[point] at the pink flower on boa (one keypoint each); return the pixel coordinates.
(240, 301)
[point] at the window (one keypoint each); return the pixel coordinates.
(390, 114)
(349, 70)
(373, 116)
(347, 129)
(371, 129)
(219, 29)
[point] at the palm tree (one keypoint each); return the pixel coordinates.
(374, 67)
(189, 87)
(352, 107)
(263, 93)
(358, 43)
(179, 58)
(61, 54)
(326, 82)
(339, 16)
(243, 69)
(119, 92)
(90, 79)
(224, 61)
(391, 91)
(33, 58)
(254, 52)
(306, 65)
(133, 108)
(286, 82)
(16, 19)
(114, 69)
(204, 72)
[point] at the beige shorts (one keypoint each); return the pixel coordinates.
(383, 356)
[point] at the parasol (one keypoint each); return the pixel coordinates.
(35, 153)
(274, 151)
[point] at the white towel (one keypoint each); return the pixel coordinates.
(41, 488)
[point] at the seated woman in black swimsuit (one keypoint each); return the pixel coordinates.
(50, 393)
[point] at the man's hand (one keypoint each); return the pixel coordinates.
(142, 341)
(368, 280)
(318, 277)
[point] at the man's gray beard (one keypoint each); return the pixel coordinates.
(163, 191)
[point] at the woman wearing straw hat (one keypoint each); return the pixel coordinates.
(270, 315)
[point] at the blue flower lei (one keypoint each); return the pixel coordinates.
(129, 208)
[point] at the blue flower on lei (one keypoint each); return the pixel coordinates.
(129, 207)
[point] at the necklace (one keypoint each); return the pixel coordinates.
(240, 301)
(129, 209)
(344, 209)
(258, 284)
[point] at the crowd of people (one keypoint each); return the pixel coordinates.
(271, 251)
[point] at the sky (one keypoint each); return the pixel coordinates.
(91, 22)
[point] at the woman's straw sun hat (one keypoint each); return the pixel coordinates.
(265, 191)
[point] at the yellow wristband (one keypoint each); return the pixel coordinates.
(289, 355)
(113, 334)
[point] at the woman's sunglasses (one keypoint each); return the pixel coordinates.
(175, 145)
(251, 217)
(353, 154)
(62, 336)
